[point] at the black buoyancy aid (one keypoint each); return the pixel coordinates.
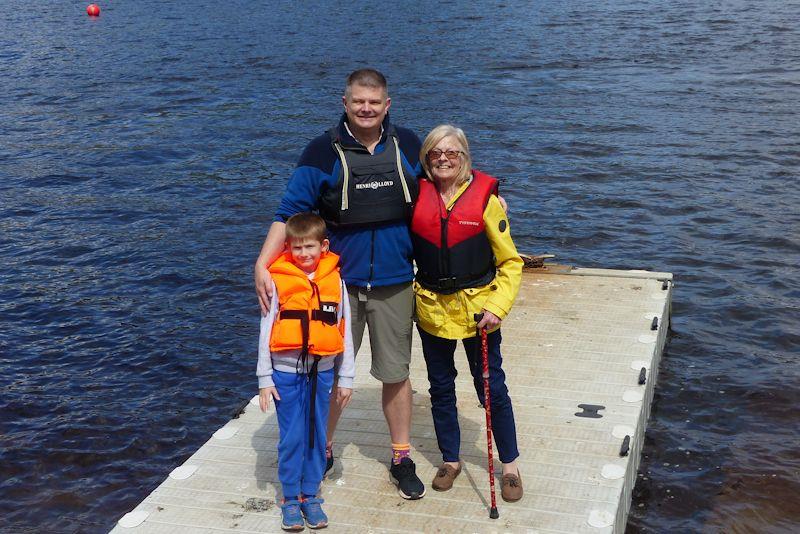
(451, 248)
(371, 188)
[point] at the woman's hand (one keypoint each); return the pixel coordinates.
(264, 394)
(490, 321)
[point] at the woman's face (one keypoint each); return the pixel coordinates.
(445, 159)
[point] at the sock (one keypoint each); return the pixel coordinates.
(400, 451)
(292, 498)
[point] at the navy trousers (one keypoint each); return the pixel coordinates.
(439, 357)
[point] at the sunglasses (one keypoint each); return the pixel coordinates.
(449, 154)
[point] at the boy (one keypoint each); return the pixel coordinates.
(306, 330)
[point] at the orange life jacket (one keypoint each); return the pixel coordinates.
(308, 309)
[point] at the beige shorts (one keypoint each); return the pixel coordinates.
(386, 311)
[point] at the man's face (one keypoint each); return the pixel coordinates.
(366, 107)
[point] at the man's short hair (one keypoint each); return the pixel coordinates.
(367, 78)
(305, 226)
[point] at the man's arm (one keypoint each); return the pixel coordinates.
(271, 249)
(301, 195)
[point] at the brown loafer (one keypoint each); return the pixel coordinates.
(445, 476)
(511, 487)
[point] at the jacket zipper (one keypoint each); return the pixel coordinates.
(444, 259)
(371, 260)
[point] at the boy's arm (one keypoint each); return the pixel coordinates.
(266, 387)
(347, 370)
(264, 366)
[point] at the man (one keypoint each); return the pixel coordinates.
(361, 177)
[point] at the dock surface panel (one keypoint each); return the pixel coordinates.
(575, 336)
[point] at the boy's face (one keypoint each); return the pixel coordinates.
(307, 252)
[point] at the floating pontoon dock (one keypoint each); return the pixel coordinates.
(581, 351)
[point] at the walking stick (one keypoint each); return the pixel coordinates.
(481, 332)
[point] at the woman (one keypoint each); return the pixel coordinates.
(466, 264)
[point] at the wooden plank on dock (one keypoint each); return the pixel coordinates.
(574, 337)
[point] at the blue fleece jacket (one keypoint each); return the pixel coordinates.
(374, 256)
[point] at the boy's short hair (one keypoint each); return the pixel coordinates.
(305, 226)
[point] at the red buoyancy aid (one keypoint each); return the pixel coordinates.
(310, 305)
(451, 249)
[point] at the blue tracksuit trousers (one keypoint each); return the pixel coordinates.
(300, 469)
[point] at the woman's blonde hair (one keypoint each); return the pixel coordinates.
(433, 138)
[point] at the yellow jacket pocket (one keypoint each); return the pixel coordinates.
(428, 312)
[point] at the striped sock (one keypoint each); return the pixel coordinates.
(400, 451)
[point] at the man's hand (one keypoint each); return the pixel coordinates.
(271, 249)
(489, 321)
(343, 396)
(263, 282)
(503, 203)
(264, 394)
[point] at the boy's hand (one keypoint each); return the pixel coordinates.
(343, 396)
(264, 395)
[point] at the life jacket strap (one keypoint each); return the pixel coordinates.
(327, 317)
(302, 316)
(312, 401)
(451, 284)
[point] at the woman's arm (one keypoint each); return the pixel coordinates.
(509, 264)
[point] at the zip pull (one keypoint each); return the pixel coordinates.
(315, 293)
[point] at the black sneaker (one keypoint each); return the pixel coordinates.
(404, 474)
(328, 461)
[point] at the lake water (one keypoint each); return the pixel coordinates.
(143, 153)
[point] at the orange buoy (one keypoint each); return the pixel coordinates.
(93, 10)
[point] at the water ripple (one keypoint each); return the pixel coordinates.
(143, 158)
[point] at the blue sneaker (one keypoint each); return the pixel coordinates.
(291, 518)
(312, 511)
